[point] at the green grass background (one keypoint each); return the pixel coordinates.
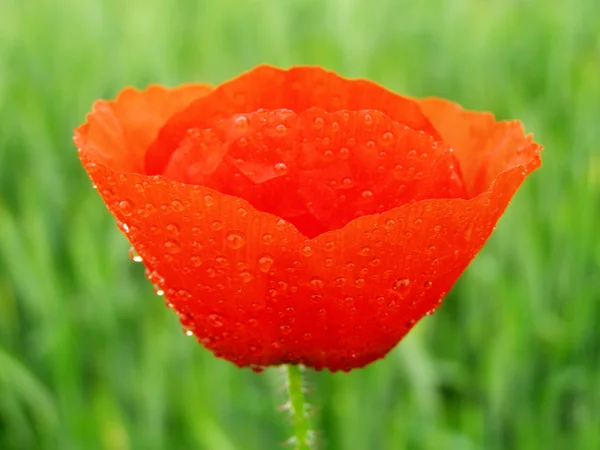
(91, 359)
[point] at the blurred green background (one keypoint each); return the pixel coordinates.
(91, 359)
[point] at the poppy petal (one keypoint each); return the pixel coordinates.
(131, 122)
(296, 89)
(483, 146)
(318, 170)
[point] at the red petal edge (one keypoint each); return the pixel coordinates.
(258, 293)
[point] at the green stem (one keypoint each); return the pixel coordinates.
(298, 408)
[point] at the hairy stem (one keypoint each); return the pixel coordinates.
(298, 408)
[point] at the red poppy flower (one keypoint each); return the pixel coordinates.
(293, 216)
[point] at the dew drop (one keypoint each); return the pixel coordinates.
(329, 246)
(134, 256)
(157, 290)
(216, 225)
(344, 153)
(402, 286)
(328, 262)
(364, 251)
(280, 130)
(216, 320)
(359, 283)
(125, 207)
(347, 182)
(265, 263)
(340, 281)
(173, 246)
(172, 230)
(177, 206)
(316, 283)
(280, 169)
(367, 194)
(241, 123)
(319, 122)
(196, 261)
(307, 250)
(375, 262)
(209, 200)
(246, 276)
(235, 240)
(150, 208)
(387, 138)
(389, 224)
(222, 261)
(427, 284)
(335, 126)
(368, 119)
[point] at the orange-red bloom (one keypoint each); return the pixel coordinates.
(293, 216)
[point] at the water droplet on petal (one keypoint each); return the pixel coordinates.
(316, 283)
(402, 287)
(125, 207)
(280, 168)
(246, 276)
(216, 320)
(241, 123)
(389, 224)
(387, 138)
(280, 130)
(172, 230)
(209, 200)
(216, 225)
(340, 281)
(359, 283)
(307, 250)
(177, 206)
(367, 194)
(265, 263)
(173, 246)
(235, 240)
(196, 261)
(134, 256)
(319, 122)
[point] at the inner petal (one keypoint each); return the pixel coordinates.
(318, 170)
(297, 89)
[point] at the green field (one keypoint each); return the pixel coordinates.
(91, 359)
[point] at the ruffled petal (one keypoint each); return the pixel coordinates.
(123, 129)
(296, 89)
(483, 146)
